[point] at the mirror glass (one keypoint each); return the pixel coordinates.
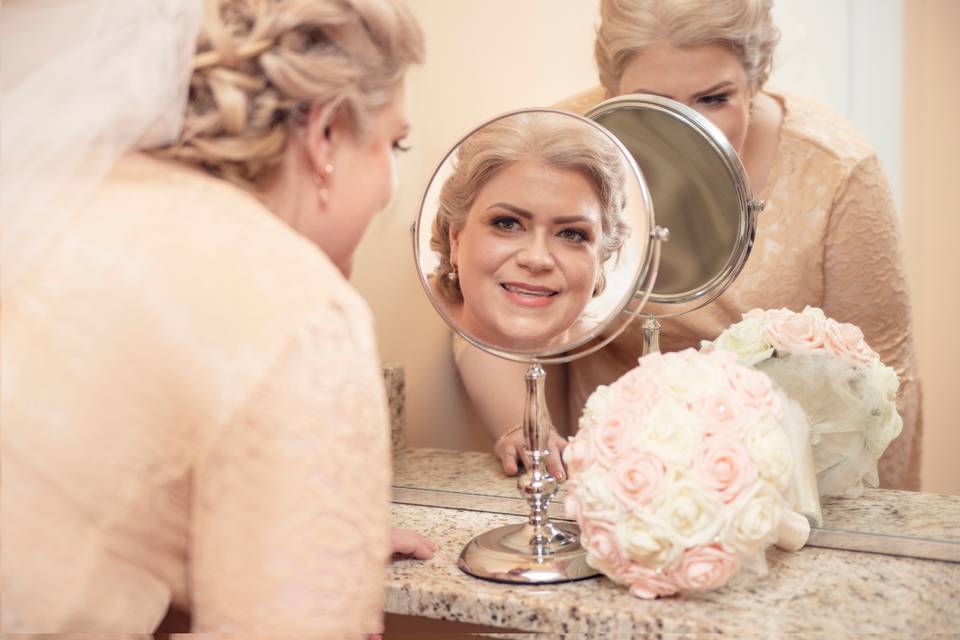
(533, 234)
(699, 190)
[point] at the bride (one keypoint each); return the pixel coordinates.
(193, 413)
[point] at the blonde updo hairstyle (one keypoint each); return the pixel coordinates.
(262, 64)
(556, 139)
(627, 27)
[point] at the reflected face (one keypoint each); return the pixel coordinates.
(528, 255)
(709, 79)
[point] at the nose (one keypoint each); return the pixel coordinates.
(535, 254)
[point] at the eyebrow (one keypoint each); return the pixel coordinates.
(523, 213)
(723, 84)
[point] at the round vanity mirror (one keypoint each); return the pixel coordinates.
(701, 194)
(534, 235)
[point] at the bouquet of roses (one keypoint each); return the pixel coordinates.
(847, 394)
(680, 473)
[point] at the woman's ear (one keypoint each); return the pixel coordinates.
(326, 129)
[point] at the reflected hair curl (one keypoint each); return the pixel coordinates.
(556, 139)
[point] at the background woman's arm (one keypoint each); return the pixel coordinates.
(866, 284)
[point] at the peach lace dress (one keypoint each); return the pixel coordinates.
(192, 414)
(829, 237)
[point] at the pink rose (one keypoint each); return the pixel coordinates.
(600, 541)
(609, 433)
(795, 332)
(637, 478)
(646, 583)
(579, 453)
(705, 567)
(723, 464)
(722, 412)
(754, 388)
(846, 340)
(640, 386)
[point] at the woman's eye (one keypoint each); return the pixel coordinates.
(574, 235)
(400, 145)
(714, 99)
(506, 223)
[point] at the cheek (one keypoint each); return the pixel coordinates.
(732, 122)
(483, 256)
(580, 269)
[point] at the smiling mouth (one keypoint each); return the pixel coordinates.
(528, 290)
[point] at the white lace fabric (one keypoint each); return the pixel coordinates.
(829, 237)
(192, 413)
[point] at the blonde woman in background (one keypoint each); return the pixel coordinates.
(829, 236)
(193, 412)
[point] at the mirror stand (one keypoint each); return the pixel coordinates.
(538, 551)
(651, 336)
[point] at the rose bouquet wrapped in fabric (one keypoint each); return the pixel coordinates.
(681, 472)
(847, 394)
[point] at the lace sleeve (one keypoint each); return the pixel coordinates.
(865, 283)
(291, 504)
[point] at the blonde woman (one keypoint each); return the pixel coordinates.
(193, 412)
(525, 225)
(829, 234)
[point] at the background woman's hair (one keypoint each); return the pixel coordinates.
(629, 26)
(261, 65)
(558, 140)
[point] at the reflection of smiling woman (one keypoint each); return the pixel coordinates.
(529, 215)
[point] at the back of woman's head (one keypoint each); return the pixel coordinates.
(630, 26)
(557, 140)
(261, 65)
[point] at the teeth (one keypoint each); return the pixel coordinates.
(527, 292)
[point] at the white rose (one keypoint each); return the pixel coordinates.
(770, 449)
(670, 431)
(596, 498)
(647, 541)
(746, 340)
(597, 405)
(694, 377)
(694, 515)
(756, 519)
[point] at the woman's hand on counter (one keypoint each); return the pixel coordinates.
(410, 544)
(509, 449)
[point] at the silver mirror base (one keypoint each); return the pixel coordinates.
(510, 554)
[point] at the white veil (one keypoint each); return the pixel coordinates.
(83, 81)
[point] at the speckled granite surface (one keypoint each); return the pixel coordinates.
(810, 593)
(876, 511)
(393, 380)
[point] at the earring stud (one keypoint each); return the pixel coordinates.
(320, 180)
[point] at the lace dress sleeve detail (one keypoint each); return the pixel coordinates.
(291, 503)
(865, 284)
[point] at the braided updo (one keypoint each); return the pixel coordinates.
(262, 64)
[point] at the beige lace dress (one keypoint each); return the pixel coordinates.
(192, 414)
(829, 237)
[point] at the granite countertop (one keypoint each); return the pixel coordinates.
(812, 591)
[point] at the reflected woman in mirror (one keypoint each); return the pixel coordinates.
(194, 413)
(829, 236)
(526, 221)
